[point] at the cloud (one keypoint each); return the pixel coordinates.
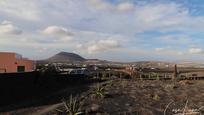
(195, 51)
(57, 30)
(66, 39)
(6, 22)
(103, 5)
(174, 40)
(102, 46)
(152, 16)
(96, 47)
(142, 18)
(22, 9)
(180, 53)
(99, 4)
(7, 28)
(159, 49)
(125, 7)
(169, 51)
(79, 46)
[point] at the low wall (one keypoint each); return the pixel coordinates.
(16, 87)
(12, 79)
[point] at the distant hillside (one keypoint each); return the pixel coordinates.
(157, 64)
(191, 64)
(65, 57)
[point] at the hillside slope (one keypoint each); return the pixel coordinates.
(65, 57)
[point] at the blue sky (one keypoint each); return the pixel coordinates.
(119, 30)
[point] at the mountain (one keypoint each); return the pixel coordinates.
(65, 57)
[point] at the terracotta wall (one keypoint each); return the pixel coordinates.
(9, 63)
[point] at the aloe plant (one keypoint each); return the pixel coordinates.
(156, 97)
(72, 106)
(99, 91)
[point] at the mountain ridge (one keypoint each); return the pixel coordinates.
(65, 57)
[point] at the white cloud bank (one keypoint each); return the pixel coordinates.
(93, 42)
(159, 49)
(125, 7)
(103, 46)
(121, 7)
(22, 9)
(57, 30)
(6, 27)
(195, 51)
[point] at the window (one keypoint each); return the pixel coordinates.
(21, 69)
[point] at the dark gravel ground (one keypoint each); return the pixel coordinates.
(129, 97)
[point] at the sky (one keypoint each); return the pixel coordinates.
(117, 30)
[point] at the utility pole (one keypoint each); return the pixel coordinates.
(175, 72)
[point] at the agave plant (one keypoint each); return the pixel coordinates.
(72, 106)
(99, 91)
(110, 84)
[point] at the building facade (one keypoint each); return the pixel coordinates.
(12, 62)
